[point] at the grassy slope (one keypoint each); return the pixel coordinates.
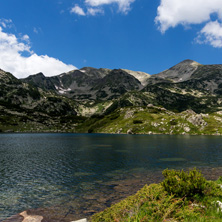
(153, 120)
(135, 120)
(153, 203)
(17, 120)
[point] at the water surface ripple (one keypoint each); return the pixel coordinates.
(63, 173)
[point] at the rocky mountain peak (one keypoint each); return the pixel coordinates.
(186, 62)
(2, 72)
(38, 76)
(178, 73)
(7, 76)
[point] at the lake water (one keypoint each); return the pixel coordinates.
(68, 176)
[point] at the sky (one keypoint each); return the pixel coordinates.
(56, 36)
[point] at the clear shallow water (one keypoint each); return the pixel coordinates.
(54, 170)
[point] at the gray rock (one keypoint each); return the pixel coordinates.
(129, 114)
(129, 131)
(119, 131)
(197, 120)
(186, 129)
(82, 220)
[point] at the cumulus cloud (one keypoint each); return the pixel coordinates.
(211, 34)
(94, 11)
(78, 10)
(172, 13)
(90, 11)
(25, 38)
(93, 7)
(12, 60)
(124, 5)
(6, 23)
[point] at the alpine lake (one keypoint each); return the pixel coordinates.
(67, 177)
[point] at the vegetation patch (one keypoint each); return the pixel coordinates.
(137, 121)
(182, 196)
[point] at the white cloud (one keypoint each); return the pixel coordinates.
(94, 11)
(211, 34)
(25, 38)
(12, 60)
(6, 23)
(93, 7)
(171, 13)
(78, 10)
(124, 5)
(35, 30)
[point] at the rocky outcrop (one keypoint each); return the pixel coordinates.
(197, 120)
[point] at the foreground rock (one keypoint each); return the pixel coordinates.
(31, 218)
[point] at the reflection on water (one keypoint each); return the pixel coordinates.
(64, 175)
(173, 159)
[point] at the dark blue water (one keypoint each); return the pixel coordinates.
(43, 170)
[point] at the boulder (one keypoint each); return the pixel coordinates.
(129, 131)
(197, 120)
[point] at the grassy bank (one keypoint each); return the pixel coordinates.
(128, 120)
(182, 196)
(153, 120)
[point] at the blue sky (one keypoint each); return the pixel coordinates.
(55, 36)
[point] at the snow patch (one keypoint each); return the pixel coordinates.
(61, 91)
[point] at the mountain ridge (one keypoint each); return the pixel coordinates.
(74, 97)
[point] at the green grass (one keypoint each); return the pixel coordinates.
(142, 120)
(149, 121)
(154, 203)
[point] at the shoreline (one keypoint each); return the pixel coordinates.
(144, 134)
(115, 191)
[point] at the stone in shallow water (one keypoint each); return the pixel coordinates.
(82, 220)
(31, 218)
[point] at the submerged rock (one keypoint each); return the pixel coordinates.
(31, 218)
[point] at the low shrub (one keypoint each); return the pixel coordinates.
(184, 184)
(169, 201)
(173, 122)
(137, 121)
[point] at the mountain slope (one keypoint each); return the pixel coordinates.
(90, 83)
(24, 105)
(89, 95)
(115, 84)
(141, 76)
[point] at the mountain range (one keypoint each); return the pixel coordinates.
(68, 101)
